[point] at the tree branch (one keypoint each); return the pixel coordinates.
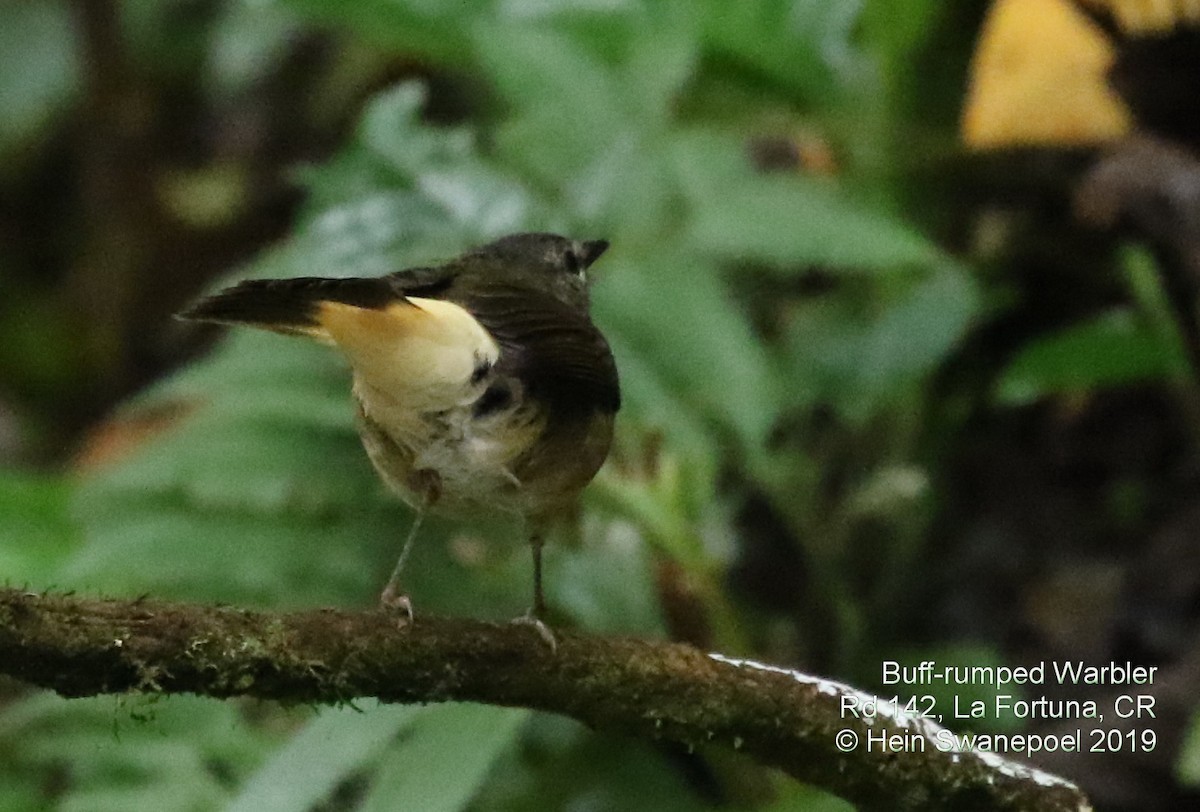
(781, 718)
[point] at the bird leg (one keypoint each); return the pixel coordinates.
(392, 598)
(534, 616)
(538, 609)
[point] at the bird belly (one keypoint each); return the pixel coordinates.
(449, 460)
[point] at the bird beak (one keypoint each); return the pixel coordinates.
(590, 251)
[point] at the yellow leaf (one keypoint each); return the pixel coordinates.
(1148, 17)
(1038, 78)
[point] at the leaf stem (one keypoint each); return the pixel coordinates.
(1144, 277)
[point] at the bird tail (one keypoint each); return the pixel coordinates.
(291, 306)
(427, 352)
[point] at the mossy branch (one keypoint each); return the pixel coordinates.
(781, 718)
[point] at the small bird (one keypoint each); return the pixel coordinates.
(482, 384)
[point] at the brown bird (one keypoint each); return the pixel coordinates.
(482, 384)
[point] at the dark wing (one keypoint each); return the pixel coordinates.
(429, 283)
(288, 305)
(553, 349)
(292, 305)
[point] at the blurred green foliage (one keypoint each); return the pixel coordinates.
(624, 120)
(122, 754)
(37, 535)
(1139, 342)
(39, 65)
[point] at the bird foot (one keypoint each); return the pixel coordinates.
(543, 631)
(391, 600)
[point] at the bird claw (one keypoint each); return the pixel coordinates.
(543, 631)
(392, 601)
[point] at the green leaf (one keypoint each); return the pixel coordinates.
(606, 583)
(675, 309)
(249, 40)
(330, 749)
(215, 462)
(444, 758)
(174, 754)
(37, 534)
(250, 372)
(796, 48)
(371, 235)
(1187, 767)
(39, 71)
(858, 355)
(391, 129)
(625, 190)
(540, 71)
(443, 179)
(802, 222)
(664, 54)
(536, 66)
(412, 27)
(1148, 286)
(913, 336)
(1112, 349)
(238, 557)
(790, 221)
(793, 796)
(561, 766)
(651, 405)
(258, 492)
